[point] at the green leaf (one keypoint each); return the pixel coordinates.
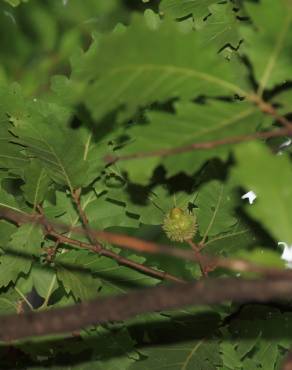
(215, 209)
(103, 212)
(44, 280)
(273, 206)
(23, 244)
(36, 183)
(15, 2)
(9, 302)
(199, 354)
(178, 9)
(221, 26)
(118, 78)
(264, 257)
(26, 240)
(116, 278)
(284, 100)
(240, 236)
(191, 123)
(267, 354)
(230, 357)
(268, 42)
(11, 267)
(75, 277)
(42, 128)
(11, 156)
(7, 200)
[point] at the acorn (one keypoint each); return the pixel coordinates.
(179, 225)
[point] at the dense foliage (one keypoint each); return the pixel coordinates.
(100, 105)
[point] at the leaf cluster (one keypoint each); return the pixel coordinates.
(101, 104)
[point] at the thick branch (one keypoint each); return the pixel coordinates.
(123, 307)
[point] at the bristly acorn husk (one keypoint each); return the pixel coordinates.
(179, 225)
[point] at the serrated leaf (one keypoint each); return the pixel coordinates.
(42, 128)
(103, 212)
(11, 156)
(11, 266)
(75, 277)
(191, 123)
(268, 41)
(230, 357)
(215, 209)
(199, 354)
(44, 280)
(178, 9)
(7, 200)
(26, 240)
(267, 354)
(240, 236)
(24, 243)
(221, 26)
(9, 302)
(36, 183)
(116, 278)
(119, 78)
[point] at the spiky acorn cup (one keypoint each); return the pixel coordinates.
(179, 225)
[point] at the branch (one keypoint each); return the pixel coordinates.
(91, 237)
(96, 247)
(121, 260)
(139, 245)
(270, 110)
(287, 363)
(123, 307)
(202, 145)
(198, 256)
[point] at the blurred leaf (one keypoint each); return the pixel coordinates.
(145, 75)
(268, 41)
(221, 26)
(230, 357)
(178, 9)
(15, 2)
(273, 206)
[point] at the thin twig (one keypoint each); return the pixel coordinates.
(121, 260)
(139, 245)
(270, 110)
(96, 247)
(91, 237)
(197, 252)
(202, 145)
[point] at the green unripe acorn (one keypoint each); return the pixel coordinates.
(179, 225)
